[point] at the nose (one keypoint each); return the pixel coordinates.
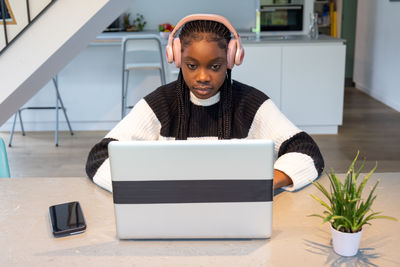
(203, 76)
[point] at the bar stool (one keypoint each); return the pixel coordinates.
(134, 48)
(56, 107)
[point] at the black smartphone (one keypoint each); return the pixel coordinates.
(67, 219)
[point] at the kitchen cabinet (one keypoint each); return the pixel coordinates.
(261, 69)
(313, 86)
(304, 79)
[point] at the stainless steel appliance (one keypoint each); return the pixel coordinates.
(282, 17)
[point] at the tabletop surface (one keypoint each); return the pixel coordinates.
(297, 240)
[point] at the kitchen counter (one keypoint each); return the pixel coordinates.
(109, 38)
(251, 38)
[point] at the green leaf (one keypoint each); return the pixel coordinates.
(371, 198)
(369, 217)
(316, 215)
(322, 203)
(360, 169)
(327, 218)
(365, 180)
(323, 190)
(385, 217)
(343, 218)
(354, 162)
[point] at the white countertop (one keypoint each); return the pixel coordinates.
(247, 38)
(297, 240)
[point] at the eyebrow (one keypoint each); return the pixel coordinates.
(213, 60)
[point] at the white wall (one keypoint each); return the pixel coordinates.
(241, 13)
(377, 50)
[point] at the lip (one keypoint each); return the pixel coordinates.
(202, 91)
(202, 88)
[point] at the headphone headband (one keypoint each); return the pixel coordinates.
(212, 17)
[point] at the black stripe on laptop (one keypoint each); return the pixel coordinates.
(191, 191)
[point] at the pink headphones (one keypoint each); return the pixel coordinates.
(235, 53)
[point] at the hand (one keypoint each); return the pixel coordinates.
(281, 179)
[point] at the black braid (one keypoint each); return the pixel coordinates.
(194, 31)
(183, 103)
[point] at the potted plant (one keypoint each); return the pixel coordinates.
(346, 209)
(139, 22)
(127, 23)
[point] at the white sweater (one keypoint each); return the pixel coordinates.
(255, 116)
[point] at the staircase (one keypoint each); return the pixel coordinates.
(49, 44)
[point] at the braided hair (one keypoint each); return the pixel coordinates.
(198, 30)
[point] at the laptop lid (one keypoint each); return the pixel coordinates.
(193, 188)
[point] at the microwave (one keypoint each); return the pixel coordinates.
(281, 17)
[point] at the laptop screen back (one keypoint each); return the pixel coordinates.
(180, 189)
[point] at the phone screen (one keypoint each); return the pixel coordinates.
(67, 219)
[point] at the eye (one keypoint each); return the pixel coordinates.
(215, 67)
(191, 66)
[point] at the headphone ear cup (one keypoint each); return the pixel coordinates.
(231, 53)
(177, 52)
(239, 56)
(169, 54)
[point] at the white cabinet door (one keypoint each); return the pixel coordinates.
(261, 69)
(313, 84)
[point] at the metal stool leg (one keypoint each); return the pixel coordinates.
(62, 106)
(20, 122)
(124, 92)
(18, 113)
(57, 108)
(60, 102)
(162, 76)
(12, 130)
(162, 69)
(123, 89)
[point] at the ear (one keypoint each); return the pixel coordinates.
(231, 53)
(177, 52)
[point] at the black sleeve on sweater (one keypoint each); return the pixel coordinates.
(97, 155)
(303, 143)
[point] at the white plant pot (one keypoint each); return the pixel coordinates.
(345, 244)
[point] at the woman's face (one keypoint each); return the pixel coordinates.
(204, 67)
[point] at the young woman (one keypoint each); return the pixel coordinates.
(204, 103)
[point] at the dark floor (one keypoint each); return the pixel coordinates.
(368, 126)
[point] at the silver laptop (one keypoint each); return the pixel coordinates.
(192, 189)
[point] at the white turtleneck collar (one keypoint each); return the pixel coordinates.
(205, 102)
